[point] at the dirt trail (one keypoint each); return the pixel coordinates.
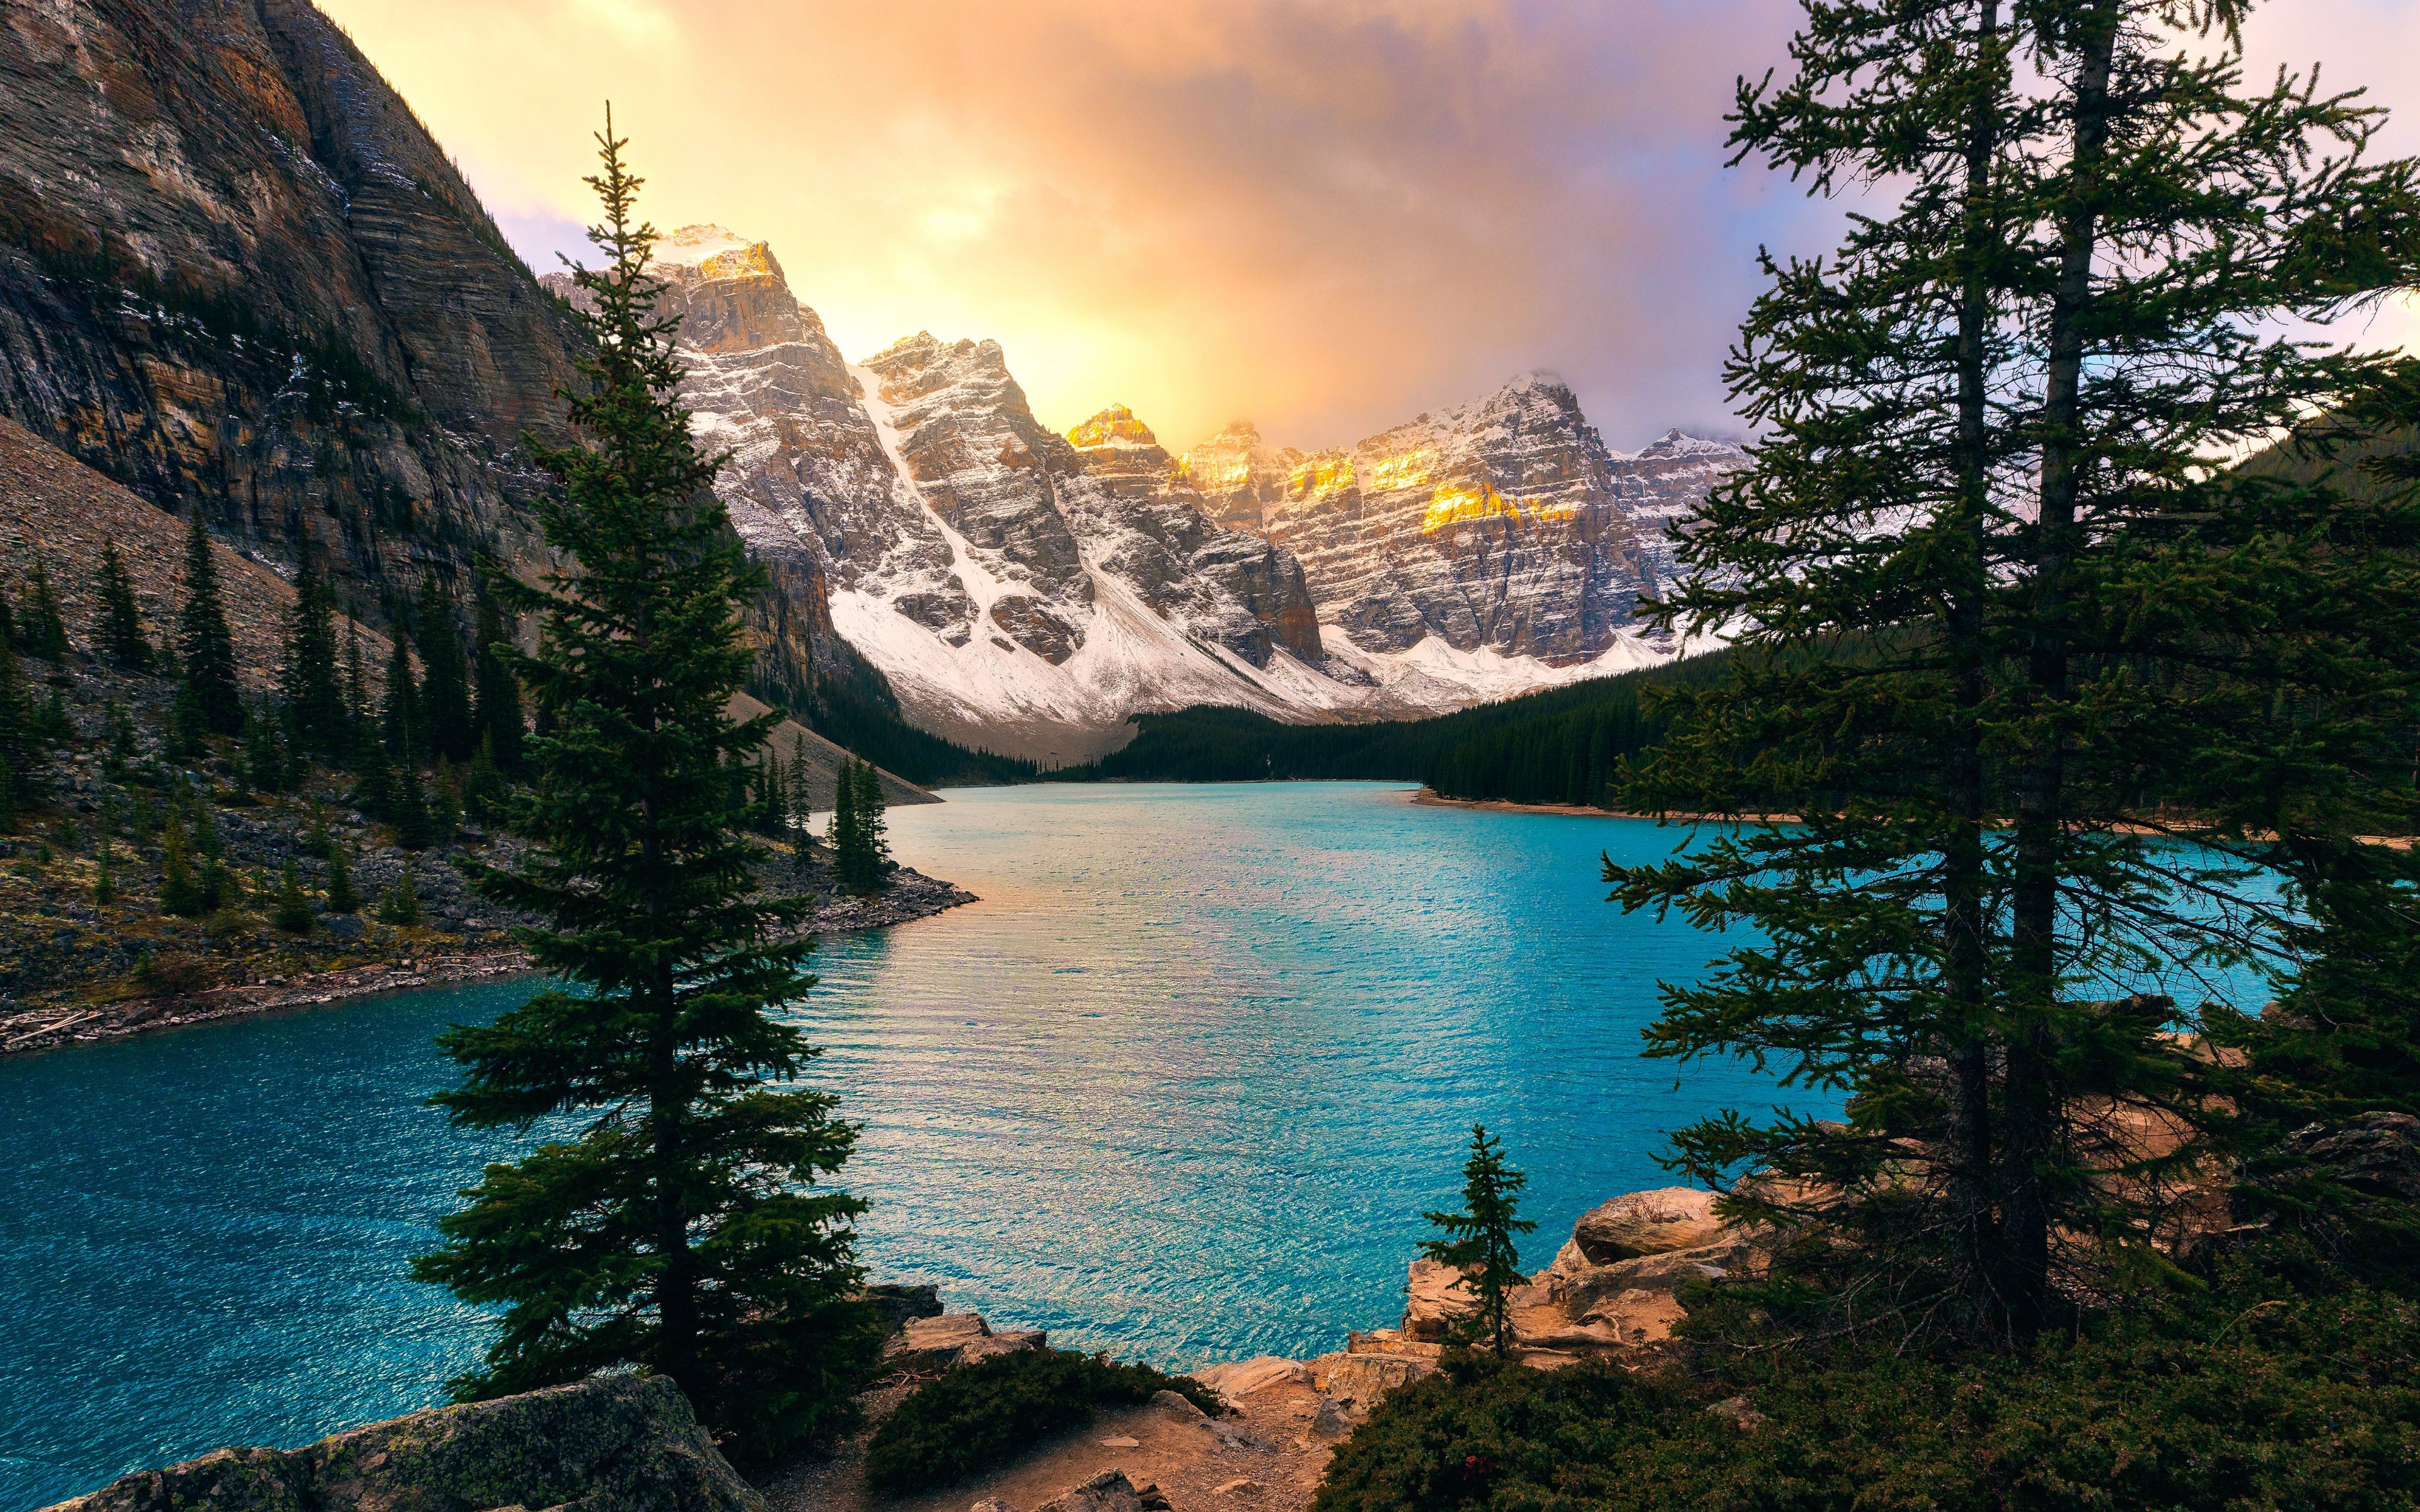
(1266, 1448)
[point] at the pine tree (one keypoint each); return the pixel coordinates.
(205, 645)
(21, 758)
(445, 801)
(485, 792)
(2003, 633)
(360, 732)
(706, 1247)
(310, 681)
(119, 726)
(445, 684)
(119, 630)
(44, 629)
(401, 721)
(874, 838)
(264, 764)
(189, 727)
(181, 893)
(771, 795)
(400, 906)
(801, 808)
(417, 823)
(343, 897)
(498, 712)
(847, 836)
(316, 841)
(290, 911)
(55, 726)
(104, 878)
(373, 789)
(1480, 1239)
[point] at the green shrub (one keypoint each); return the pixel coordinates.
(2310, 1405)
(982, 1414)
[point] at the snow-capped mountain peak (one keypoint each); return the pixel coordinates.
(1029, 590)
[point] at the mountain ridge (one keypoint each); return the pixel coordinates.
(1029, 590)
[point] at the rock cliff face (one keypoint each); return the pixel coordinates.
(1239, 476)
(237, 274)
(1017, 590)
(235, 271)
(1504, 524)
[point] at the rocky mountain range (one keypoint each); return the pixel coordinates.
(238, 276)
(1027, 592)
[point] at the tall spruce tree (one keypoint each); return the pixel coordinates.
(874, 831)
(799, 776)
(118, 631)
(309, 680)
(847, 835)
(2009, 628)
(357, 687)
(38, 620)
(402, 724)
(1480, 1239)
(687, 1227)
(445, 682)
(21, 756)
(205, 645)
(497, 711)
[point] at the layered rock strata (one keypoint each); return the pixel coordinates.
(1504, 525)
(1012, 588)
(236, 272)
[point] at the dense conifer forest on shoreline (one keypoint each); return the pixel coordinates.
(1559, 746)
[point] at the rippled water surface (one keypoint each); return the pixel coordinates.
(1179, 1087)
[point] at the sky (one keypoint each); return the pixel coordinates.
(1326, 216)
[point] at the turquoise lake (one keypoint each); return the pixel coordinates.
(1179, 1087)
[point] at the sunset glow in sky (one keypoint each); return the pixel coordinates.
(1324, 216)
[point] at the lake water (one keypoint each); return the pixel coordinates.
(1179, 1087)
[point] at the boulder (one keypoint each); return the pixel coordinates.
(1366, 1380)
(1239, 1378)
(1633, 1318)
(1434, 1300)
(1108, 1491)
(1648, 1223)
(615, 1443)
(1335, 1420)
(1176, 1405)
(952, 1339)
(1582, 1288)
(902, 1304)
(2377, 1153)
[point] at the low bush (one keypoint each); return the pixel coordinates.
(2304, 1404)
(984, 1415)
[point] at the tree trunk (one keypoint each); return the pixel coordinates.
(1966, 962)
(2031, 1129)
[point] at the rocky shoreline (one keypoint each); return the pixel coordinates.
(626, 1443)
(910, 895)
